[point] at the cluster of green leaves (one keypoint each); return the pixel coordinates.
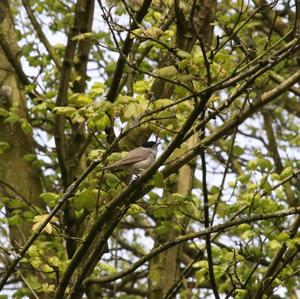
(258, 187)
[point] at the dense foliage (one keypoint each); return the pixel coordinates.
(216, 82)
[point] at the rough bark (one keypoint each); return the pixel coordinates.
(18, 179)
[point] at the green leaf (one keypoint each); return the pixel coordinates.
(50, 198)
(262, 163)
(34, 250)
(83, 36)
(136, 32)
(38, 221)
(212, 198)
(94, 154)
(162, 212)
(167, 71)
(201, 265)
(141, 86)
(77, 118)
(16, 203)
(124, 99)
(231, 184)
(55, 261)
(28, 215)
(220, 270)
(247, 234)
(163, 228)
(228, 257)
(107, 268)
(265, 164)
(265, 185)
(67, 111)
(185, 78)
(103, 123)
(39, 8)
(98, 88)
(251, 187)
(291, 243)
(4, 146)
(214, 189)
(176, 197)
(252, 164)
(30, 157)
(158, 180)
(240, 294)
(238, 151)
(46, 268)
(183, 54)
(160, 103)
(135, 209)
(244, 227)
(133, 110)
(189, 208)
(12, 118)
(152, 32)
(267, 205)
(40, 107)
(280, 194)
(48, 288)
(286, 172)
(274, 244)
(157, 15)
(34, 282)
(14, 220)
(3, 112)
(275, 177)
(283, 236)
(26, 127)
(82, 100)
(244, 178)
(86, 199)
(36, 262)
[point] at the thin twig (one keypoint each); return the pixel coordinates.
(191, 236)
(69, 193)
(35, 295)
(41, 34)
(212, 279)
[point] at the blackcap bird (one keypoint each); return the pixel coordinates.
(140, 158)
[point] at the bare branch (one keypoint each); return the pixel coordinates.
(184, 238)
(41, 34)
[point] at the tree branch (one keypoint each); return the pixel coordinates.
(41, 34)
(133, 192)
(210, 230)
(61, 99)
(265, 282)
(69, 193)
(127, 196)
(112, 93)
(212, 280)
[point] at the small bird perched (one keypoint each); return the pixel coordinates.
(140, 158)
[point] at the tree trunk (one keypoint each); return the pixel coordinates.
(20, 184)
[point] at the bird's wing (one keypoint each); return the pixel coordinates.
(134, 156)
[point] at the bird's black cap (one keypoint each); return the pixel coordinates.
(149, 144)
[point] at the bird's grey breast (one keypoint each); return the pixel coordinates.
(144, 164)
